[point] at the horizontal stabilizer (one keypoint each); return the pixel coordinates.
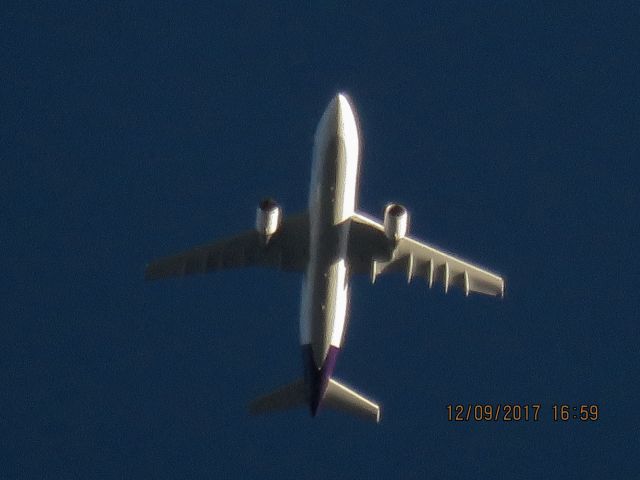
(339, 397)
(284, 398)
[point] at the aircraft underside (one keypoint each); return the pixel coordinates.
(328, 243)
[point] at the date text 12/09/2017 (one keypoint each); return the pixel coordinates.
(515, 412)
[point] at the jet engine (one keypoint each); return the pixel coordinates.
(268, 216)
(396, 221)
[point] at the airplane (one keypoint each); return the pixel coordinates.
(329, 243)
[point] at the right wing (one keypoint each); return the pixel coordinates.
(369, 253)
(288, 249)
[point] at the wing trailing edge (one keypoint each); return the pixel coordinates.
(416, 259)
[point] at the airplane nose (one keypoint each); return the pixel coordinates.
(338, 119)
(344, 112)
(339, 102)
(343, 103)
(333, 112)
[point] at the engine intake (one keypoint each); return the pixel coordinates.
(396, 221)
(268, 216)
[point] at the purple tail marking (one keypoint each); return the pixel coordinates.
(317, 378)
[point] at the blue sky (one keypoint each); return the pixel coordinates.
(129, 131)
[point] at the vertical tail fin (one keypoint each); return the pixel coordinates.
(339, 397)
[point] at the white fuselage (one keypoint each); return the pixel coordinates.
(332, 197)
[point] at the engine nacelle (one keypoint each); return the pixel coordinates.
(396, 221)
(268, 216)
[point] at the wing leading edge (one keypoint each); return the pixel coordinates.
(416, 259)
(287, 249)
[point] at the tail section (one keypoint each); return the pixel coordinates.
(339, 397)
(284, 398)
(336, 397)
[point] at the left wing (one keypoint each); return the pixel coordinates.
(287, 249)
(369, 252)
